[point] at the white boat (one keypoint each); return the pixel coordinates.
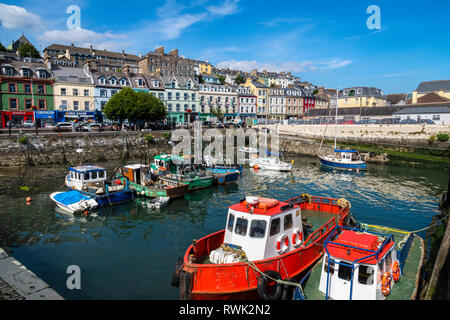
(73, 201)
(266, 163)
(249, 150)
(158, 203)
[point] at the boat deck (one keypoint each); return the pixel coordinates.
(405, 289)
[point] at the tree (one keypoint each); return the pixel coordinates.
(239, 79)
(26, 49)
(216, 113)
(221, 78)
(119, 106)
(2, 48)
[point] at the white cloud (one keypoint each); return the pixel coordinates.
(290, 66)
(14, 17)
(84, 38)
(228, 7)
(172, 27)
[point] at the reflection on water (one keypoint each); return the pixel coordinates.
(129, 251)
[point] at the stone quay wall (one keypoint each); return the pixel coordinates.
(80, 148)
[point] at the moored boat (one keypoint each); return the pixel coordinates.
(344, 159)
(270, 163)
(262, 236)
(91, 181)
(139, 178)
(73, 201)
(226, 178)
(368, 263)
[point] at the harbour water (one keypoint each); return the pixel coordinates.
(129, 251)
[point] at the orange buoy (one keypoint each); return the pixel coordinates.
(28, 199)
(28, 203)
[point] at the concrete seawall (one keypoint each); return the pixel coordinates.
(19, 283)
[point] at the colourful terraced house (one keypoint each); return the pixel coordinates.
(25, 85)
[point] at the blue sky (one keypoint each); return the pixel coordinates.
(325, 42)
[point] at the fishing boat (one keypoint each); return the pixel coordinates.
(157, 203)
(342, 159)
(139, 178)
(210, 164)
(226, 178)
(262, 237)
(73, 201)
(367, 263)
(270, 163)
(91, 180)
(173, 170)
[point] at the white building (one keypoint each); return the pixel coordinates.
(439, 114)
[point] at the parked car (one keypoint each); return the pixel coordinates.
(62, 126)
(28, 124)
(95, 126)
(427, 121)
(408, 121)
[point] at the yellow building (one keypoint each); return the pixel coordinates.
(73, 90)
(358, 97)
(262, 92)
(438, 87)
(205, 67)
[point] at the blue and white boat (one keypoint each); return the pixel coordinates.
(210, 164)
(92, 182)
(73, 201)
(226, 178)
(342, 159)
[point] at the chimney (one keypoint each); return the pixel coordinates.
(72, 44)
(90, 47)
(123, 53)
(160, 50)
(174, 53)
(126, 69)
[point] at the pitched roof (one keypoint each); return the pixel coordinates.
(424, 110)
(70, 75)
(394, 99)
(362, 92)
(432, 97)
(87, 51)
(432, 86)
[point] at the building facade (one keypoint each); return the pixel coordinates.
(25, 85)
(219, 99)
(247, 102)
(441, 88)
(181, 98)
(358, 97)
(261, 91)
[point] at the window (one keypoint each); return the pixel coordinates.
(13, 103)
(436, 117)
(112, 81)
(64, 104)
(86, 176)
(11, 87)
(258, 228)
(230, 223)
(365, 275)
(26, 73)
(113, 92)
(41, 89)
(185, 96)
(94, 175)
(86, 105)
(345, 272)
(8, 71)
(123, 82)
(63, 91)
(102, 80)
(169, 107)
(275, 227)
(42, 103)
(102, 104)
(86, 93)
(42, 74)
(103, 93)
(27, 88)
(241, 226)
(161, 96)
(75, 105)
(173, 84)
(177, 96)
(28, 103)
(75, 92)
(169, 95)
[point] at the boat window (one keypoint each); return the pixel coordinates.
(230, 223)
(288, 221)
(241, 226)
(102, 174)
(275, 227)
(86, 176)
(345, 272)
(258, 228)
(325, 266)
(365, 275)
(94, 175)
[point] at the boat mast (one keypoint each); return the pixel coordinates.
(335, 122)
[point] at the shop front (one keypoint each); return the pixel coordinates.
(16, 117)
(44, 117)
(68, 116)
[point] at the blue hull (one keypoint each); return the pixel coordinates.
(228, 178)
(222, 169)
(112, 198)
(344, 166)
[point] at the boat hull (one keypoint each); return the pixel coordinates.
(227, 178)
(344, 166)
(193, 184)
(239, 280)
(223, 169)
(170, 191)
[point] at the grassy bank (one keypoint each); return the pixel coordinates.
(405, 156)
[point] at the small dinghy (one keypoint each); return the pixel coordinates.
(158, 203)
(73, 201)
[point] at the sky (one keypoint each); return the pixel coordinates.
(328, 43)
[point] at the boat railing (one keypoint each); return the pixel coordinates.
(320, 232)
(403, 254)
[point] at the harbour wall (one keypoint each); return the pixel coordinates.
(78, 148)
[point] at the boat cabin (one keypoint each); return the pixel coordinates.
(86, 174)
(137, 173)
(347, 155)
(166, 163)
(356, 265)
(263, 228)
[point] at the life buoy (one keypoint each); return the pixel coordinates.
(386, 284)
(396, 271)
(297, 238)
(276, 293)
(162, 168)
(282, 244)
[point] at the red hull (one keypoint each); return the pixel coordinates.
(239, 281)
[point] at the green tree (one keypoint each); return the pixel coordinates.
(26, 49)
(239, 79)
(216, 113)
(120, 105)
(2, 48)
(221, 78)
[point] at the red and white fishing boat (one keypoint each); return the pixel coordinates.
(261, 236)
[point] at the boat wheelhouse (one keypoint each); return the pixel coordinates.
(270, 163)
(81, 176)
(369, 263)
(262, 237)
